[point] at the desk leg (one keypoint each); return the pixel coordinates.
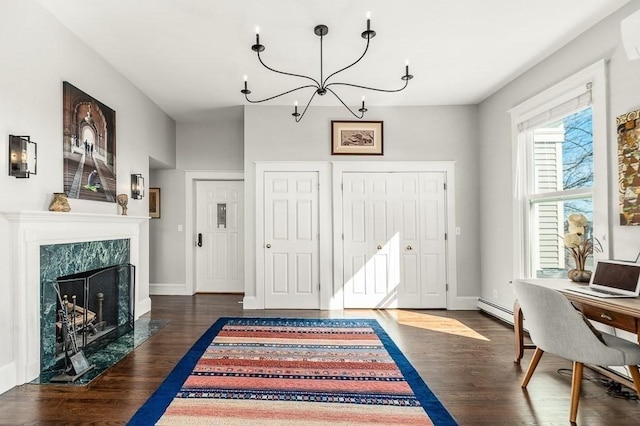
(517, 328)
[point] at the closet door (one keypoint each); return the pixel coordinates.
(390, 221)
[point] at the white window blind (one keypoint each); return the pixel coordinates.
(577, 99)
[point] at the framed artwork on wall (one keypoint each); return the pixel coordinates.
(89, 146)
(628, 126)
(154, 203)
(356, 138)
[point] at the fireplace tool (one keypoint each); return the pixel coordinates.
(75, 363)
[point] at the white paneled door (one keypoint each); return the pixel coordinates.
(291, 241)
(220, 224)
(394, 240)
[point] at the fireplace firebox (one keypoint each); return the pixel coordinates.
(91, 306)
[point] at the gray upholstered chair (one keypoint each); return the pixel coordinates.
(556, 327)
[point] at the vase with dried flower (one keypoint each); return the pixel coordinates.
(580, 245)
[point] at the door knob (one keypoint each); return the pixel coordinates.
(268, 246)
(379, 247)
(409, 248)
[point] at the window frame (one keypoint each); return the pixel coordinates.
(561, 92)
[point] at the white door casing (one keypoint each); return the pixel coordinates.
(220, 221)
(291, 240)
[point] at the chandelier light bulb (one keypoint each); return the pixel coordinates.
(296, 114)
(368, 15)
(245, 77)
(257, 29)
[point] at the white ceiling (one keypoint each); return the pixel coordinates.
(189, 56)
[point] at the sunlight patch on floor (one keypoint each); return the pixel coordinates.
(434, 323)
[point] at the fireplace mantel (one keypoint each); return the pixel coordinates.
(28, 231)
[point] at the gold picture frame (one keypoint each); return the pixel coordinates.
(154, 203)
(356, 138)
(628, 126)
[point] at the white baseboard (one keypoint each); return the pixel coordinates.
(496, 310)
(463, 304)
(168, 289)
(7, 377)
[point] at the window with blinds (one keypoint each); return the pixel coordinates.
(559, 173)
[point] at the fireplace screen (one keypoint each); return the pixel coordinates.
(91, 306)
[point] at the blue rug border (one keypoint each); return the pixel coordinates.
(155, 406)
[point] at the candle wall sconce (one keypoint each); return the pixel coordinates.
(23, 161)
(137, 186)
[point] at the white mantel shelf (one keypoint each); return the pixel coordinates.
(41, 215)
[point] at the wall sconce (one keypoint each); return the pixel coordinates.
(20, 156)
(137, 186)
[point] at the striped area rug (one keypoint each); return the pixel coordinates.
(280, 371)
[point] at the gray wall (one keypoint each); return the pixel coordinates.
(38, 54)
(166, 240)
(496, 196)
(216, 143)
(410, 133)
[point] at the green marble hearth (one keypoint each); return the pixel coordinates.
(114, 348)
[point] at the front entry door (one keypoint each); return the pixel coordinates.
(291, 241)
(220, 223)
(394, 240)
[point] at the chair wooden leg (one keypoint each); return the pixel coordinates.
(535, 359)
(635, 375)
(576, 383)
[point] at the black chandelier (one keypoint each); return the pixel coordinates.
(322, 86)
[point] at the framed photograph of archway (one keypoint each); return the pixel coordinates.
(89, 146)
(628, 126)
(356, 137)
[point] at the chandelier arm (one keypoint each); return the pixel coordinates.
(278, 95)
(306, 107)
(287, 73)
(345, 105)
(348, 66)
(406, 82)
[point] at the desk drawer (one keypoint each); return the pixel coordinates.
(614, 319)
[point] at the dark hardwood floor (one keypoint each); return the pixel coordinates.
(466, 358)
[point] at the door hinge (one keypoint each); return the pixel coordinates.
(342, 187)
(318, 286)
(446, 287)
(445, 236)
(342, 237)
(445, 186)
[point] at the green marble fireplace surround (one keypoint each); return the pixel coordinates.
(61, 260)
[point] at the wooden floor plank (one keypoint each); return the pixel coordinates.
(466, 358)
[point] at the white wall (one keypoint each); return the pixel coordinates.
(38, 54)
(410, 133)
(601, 41)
